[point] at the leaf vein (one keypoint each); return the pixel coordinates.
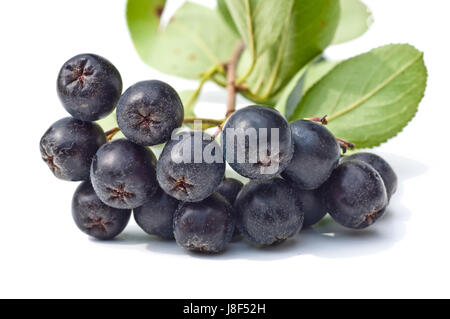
(376, 90)
(200, 43)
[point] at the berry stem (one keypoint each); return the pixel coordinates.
(218, 81)
(345, 145)
(205, 77)
(231, 67)
(191, 120)
(217, 132)
(110, 134)
(322, 119)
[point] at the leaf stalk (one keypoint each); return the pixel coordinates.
(231, 67)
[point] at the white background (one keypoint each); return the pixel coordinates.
(42, 253)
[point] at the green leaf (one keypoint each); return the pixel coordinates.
(226, 15)
(144, 18)
(185, 96)
(371, 97)
(291, 95)
(316, 72)
(355, 20)
(231, 173)
(195, 40)
(308, 29)
(157, 149)
(108, 122)
(258, 22)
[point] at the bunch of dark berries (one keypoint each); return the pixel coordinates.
(290, 188)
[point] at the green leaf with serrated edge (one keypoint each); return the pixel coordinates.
(355, 20)
(308, 29)
(195, 39)
(258, 22)
(371, 97)
(185, 96)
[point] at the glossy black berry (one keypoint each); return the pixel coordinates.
(355, 195)
(268, 211)
(381, 166)
(123, 174)
(155, 217)
(68, 147)
(313, 206)
(257, 142)
(89, 87)
(191, 166)
(95, 218)
(316, 154)
(205, 226)
(230, 188)
(149, 111)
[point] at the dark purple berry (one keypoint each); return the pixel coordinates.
(312, 206)
(184, 172)
(149, 111)
(316, 154)
(355, 195)
(268, 211)
(95, 218)
(381, 166)
(230, 188)
(205, 226)
(123, 174)
(89, 87)
(68, 147)
(155, 217)
(257, 142)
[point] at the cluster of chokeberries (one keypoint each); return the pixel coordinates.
(296, 171)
